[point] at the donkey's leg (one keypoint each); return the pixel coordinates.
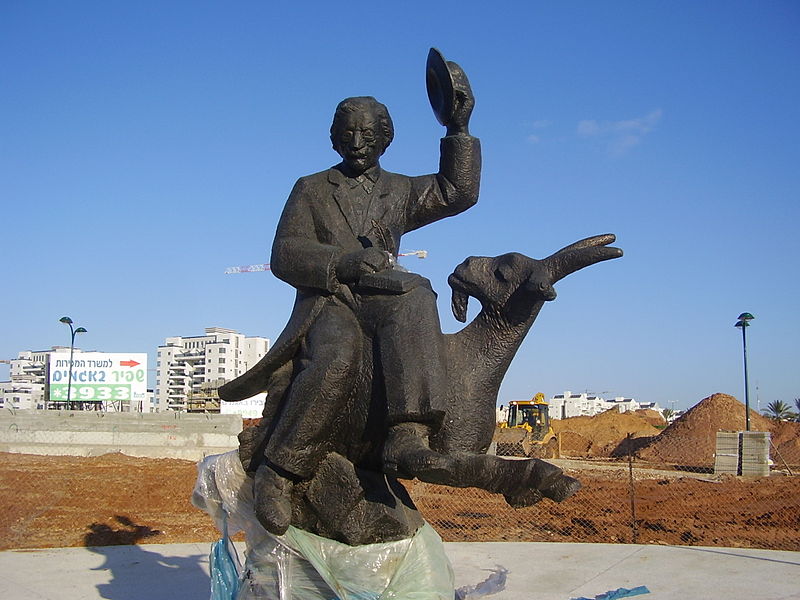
(522, 482)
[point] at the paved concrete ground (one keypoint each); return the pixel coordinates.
(537, 571)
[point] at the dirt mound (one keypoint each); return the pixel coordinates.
(574, 444)
(691, 440)
(786, 439)
(655, 418)
(603, 432)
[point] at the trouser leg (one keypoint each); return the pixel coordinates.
(410, 345)
(318, 393)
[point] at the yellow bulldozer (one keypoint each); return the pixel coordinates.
(527, 429)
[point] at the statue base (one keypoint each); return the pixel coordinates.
(302, 566)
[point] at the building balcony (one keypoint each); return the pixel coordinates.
(178, 377)
(190, 356)
(178, 367)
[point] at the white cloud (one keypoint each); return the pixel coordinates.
(587, 128)
(620, 135)
(535, 138)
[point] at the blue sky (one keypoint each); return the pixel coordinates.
(145, 147)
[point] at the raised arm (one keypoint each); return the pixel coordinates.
(455, 187)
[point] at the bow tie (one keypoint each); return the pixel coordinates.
(361, 181)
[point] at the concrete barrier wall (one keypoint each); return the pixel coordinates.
(92, 433)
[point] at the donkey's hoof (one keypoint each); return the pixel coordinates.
(563, 488)
(524, 498)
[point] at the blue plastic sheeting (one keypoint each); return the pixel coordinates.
(224, 574)
(620, 593)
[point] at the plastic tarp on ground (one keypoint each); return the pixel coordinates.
(301, 566)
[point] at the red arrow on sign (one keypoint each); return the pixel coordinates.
(128, 363)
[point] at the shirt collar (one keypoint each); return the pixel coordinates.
(373, 173)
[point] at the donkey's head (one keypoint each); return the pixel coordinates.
(495, 281)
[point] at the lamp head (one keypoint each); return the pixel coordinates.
(65, 320)
(80, 330)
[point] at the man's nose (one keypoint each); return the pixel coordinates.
(357, 140)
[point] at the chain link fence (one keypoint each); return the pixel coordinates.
(631, 497)
(629, 500)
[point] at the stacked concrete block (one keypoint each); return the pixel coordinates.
(726, 460)
(743, 453)
(755, 453)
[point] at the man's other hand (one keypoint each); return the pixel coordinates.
(353, 265)
(463, 102)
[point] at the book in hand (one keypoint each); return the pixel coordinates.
(389, 281)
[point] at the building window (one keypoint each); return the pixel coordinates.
(221, 370)
(222, 350)
(221, 360)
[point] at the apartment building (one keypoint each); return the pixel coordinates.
(190, 370)
(29, 374)
(566, 405)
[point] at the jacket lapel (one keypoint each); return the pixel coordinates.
(336, 179)
(382, 202)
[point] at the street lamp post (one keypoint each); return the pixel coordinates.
(73, 332)
(743, 323)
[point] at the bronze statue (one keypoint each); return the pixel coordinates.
(363, 387)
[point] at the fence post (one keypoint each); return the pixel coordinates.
(634, 527)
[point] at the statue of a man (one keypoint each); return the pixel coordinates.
(340, 228)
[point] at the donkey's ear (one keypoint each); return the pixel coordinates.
(575, 257)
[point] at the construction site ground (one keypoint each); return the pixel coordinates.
(60, 501)
(67, 501)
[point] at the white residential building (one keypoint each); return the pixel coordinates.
(624, 404)
(501, 413)
(189, 370)
(29, 374)
(566, 405)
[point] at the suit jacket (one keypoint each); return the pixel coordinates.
(317, 228)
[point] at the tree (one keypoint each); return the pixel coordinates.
(779, 410)
(797, 406)
(667, 414)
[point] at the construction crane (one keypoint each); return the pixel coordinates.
(265, 266)
(247, 269)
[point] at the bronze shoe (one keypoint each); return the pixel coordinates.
(273, 500)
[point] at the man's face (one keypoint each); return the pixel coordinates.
(359, 140)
